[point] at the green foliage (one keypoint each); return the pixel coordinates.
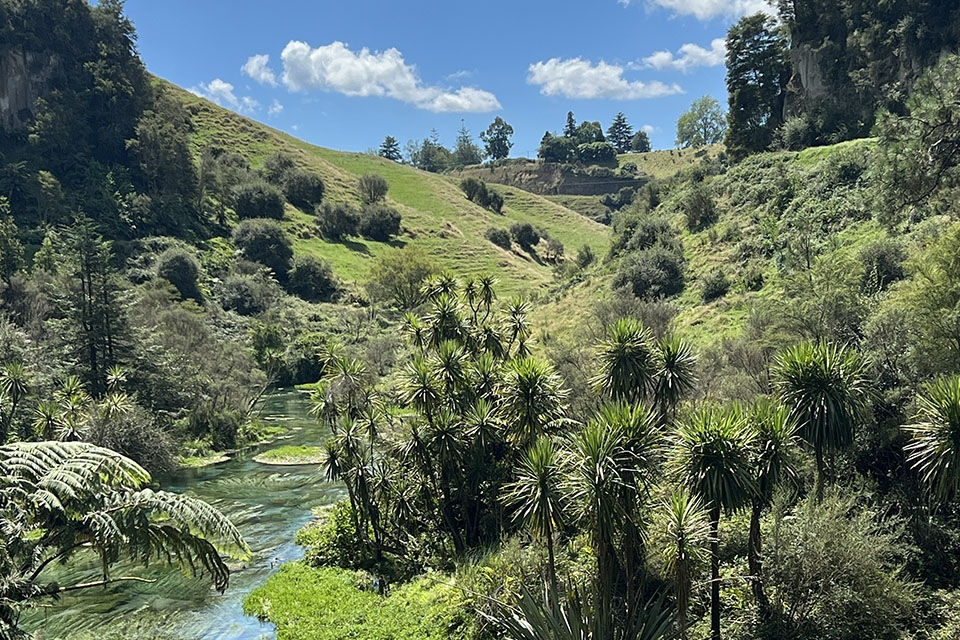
(390, 149)
(276, 168)
(524, 234)
(263, 241)
(336, 221)
(312, 279)
(620, 133)
(757, 74)
(652, 273)
(303, 190)
(328, 604)
(499, 237)
(11, 250)
(373, 188)
(933, 449)
(379, 222)
(714, 285)
(557, 148)
(181, 269)
(601, 153)
(496, 139)
(258, 200)
(429, 154)
(699, 207)
(53, 495)
(396, 277)
(640, 143)
(332, 541)
(466, 152)
(834, 571)
(585, 257)
(247, 295)
(704, 123)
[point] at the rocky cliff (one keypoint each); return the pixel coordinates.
(24, 77)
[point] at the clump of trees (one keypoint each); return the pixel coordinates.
(477, 191)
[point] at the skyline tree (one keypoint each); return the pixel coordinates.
(496, 139)
(620, 133)
(702, 124)
(390, 149)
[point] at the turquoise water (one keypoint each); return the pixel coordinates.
(267, 503)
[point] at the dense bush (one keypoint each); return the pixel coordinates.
(557, 148)
(303, 189)
(276, 168)
(312, 279)
(258, 200)
(714, 285)
(499, 237)
(882, 263)
(651, 273)
(474, 189)
(585, 257)
(379, 222)
(699, 208)
(263, 241)
(244, 294)
(337, 221)
(524, 234)
(373, 188)
(597, 153)
(181, 269)
(396, 277)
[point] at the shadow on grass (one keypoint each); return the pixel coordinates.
(359, 247)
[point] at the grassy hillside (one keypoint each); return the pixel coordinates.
(436, 215)
(668, 162)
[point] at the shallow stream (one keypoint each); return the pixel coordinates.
(267, 503)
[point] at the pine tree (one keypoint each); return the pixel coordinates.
(570, 129)
(466, 152)
(620, 133)
(390, 149)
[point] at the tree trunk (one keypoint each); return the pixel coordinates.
(755, 563)
(715, 573)
(552, 564)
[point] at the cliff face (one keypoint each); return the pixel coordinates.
(24, 77)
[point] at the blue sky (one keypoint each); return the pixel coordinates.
(346, 74)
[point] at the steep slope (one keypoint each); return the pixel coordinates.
(436, 215)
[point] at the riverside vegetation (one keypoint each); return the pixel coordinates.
(733, 412)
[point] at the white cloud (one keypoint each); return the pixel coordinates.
(710, 9)
(578, 78)
(222, 93)
(649, 128)
(459, 75)
(334, 67)
(688, 56)
(275, 109)
(256, 67)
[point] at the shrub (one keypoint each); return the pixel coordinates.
(652, 273)
(258, 200)
(699, 208)
(474, 189)
(494, 201)
(597, 153)
(379, 222)
(524, 234)
(337, 221)
(714, 285)
(753, 279)
(373, 188)
(303, 190)
(181, 269)
(882, 263)
(263, 241)
(276, 168)
(834, 574)
(628, 169)
(312, 279)
(245, 295)
(499, 237)
(557, 149)
(585, 257)
(397, 276)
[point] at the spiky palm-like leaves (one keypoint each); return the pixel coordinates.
(532, 400)
(826, 388)
(676, 376)
(934, 447)
(681, 538)
(774, 452)
(712, 458)
(628, 362)
(574, 618)
(58, 497)
(536, 494)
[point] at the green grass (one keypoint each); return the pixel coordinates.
(668, 162)
(436, 215)
(291, 454)
(326, 604)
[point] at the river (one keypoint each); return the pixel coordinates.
(267, 503)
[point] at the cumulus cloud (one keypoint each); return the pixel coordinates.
(256, 67)
(578, 78)
(649, 128)
(334, 67)
(688, 56)
(710, 9)
(222, 93)
(275, 109)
